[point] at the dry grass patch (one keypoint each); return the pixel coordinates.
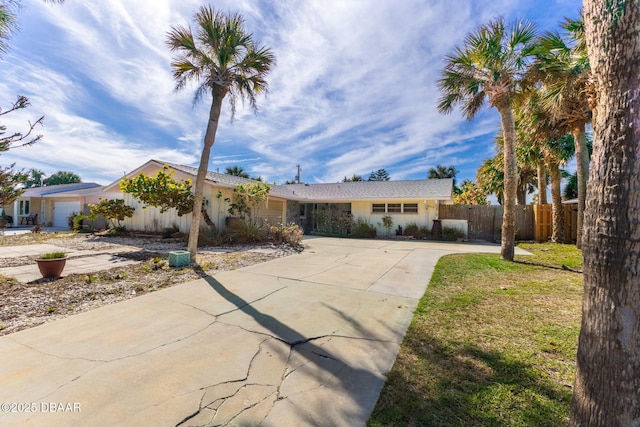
(24, 305)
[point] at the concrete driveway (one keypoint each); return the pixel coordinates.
(301, 340)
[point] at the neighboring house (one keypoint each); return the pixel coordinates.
(414, 201)
(54, 204)
(217, 193)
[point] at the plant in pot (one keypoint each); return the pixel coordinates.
(51, 264)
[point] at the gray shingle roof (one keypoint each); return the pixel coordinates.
(423, 189)
(63, 190)
(220, 178)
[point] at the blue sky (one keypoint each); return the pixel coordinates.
(354, 89)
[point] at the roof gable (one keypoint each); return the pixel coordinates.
(222, 179)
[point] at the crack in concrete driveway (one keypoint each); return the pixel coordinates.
(301, 340)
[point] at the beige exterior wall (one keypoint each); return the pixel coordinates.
(427, 212)
(150, 219)
(273, 211)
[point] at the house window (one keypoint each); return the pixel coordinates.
(394, 208)
(379, 208)
(24, 207)
(303, 211)
(410, 208)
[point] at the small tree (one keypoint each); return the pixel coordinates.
(387, 222)
(9, 184)
(161, 191)
(470, 194)
(114, 211)
(247, 198)
(12, 181)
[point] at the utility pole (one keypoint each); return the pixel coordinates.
(298, 175)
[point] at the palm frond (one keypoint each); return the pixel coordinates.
(221, 57)
(492, 64)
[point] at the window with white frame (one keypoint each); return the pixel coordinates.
(24, 207)
(407, 208)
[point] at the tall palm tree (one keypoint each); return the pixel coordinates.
(441, 171)
(557, 152)
(607, 377)
(223, 60)
(537, 130)
(571, 188)
(490, 177)
(530, 153)
(564, 69)
(491, 66)
(9, 22)
(236, 171)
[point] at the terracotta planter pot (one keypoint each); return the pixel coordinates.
(51, 267)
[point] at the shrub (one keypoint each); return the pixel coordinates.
(114, 210)
(418, 232)
(290, 234)
(170, 231)
(6, 218)
(118, 231)
(246, 232)
(362, 229)
(211, 236)
(451, 234)
(71, 220)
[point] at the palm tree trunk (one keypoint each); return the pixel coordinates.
(557, 235)
(209, 139)
(510, 182)
(542, 182)
(521, 194)
(608, 363)
(582, 163)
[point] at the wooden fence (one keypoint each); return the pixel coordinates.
(485, 222)
(533, 222)
(543, 222)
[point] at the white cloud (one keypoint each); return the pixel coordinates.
(354, 88)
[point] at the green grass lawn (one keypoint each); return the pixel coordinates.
(492, 343)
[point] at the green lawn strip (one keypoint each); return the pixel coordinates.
(552, 254)
(491, 343)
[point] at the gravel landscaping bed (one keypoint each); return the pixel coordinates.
(25, 305)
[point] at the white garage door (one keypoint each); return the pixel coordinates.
(62, 211)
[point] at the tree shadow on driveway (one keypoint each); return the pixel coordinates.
(340, 393)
